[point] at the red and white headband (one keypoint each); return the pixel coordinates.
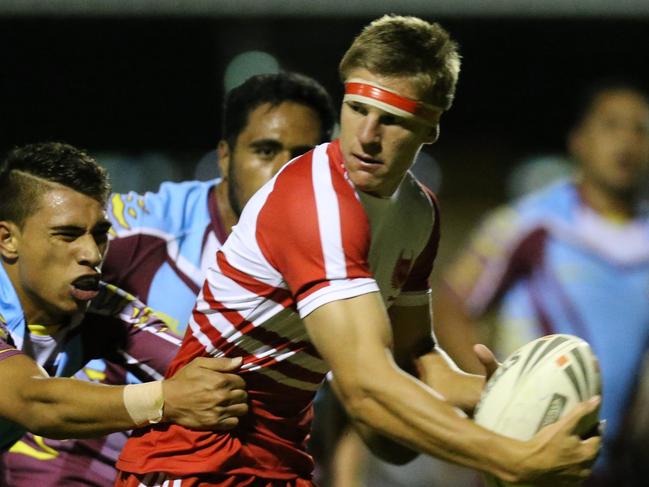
(364, 91)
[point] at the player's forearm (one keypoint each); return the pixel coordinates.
(459, 388)
(399, 407)
(66, 408)
(381, 446)
(456, 331)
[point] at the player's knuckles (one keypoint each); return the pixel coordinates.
(238, 409)
(227, 424)
(238, 395)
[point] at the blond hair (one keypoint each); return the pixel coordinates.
(397, 46)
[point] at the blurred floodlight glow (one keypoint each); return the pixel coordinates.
(248, 64)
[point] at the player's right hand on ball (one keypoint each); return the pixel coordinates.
(559, 455)
(203, 395)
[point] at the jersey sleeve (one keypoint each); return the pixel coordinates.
(7, 348)
(498, 252)
(123, 330)
(143, 225)
(315, 233)
(416, 290)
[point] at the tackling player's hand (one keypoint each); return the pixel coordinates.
(202, 395)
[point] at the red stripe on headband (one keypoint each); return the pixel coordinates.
(406, 104)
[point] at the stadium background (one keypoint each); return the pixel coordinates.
(140, 83)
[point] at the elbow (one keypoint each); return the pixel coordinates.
(358, 399)
(364, 409)
(44, 423)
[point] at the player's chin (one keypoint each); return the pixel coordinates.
(368, 183)
(71, 305)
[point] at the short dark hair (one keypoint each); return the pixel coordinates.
(590, 93)
(275, 89)
(27, 171)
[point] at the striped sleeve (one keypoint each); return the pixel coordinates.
(7, 350)
(6, 345)
(315, 232)
(121, 329)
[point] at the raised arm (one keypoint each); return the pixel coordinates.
(355, 338)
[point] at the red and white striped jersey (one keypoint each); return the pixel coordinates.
(305, 239)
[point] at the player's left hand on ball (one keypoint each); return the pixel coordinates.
(204, 395)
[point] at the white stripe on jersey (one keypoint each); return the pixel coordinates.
(347, 288)
(252, 307)
(244, 253)
(328, 213)
(257, 349)
(212, 244)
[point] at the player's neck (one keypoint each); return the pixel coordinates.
(609, 204)
(226, 213)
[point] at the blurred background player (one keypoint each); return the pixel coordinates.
(303, 283)
(56, 314)
(162, 242)
(570, 258)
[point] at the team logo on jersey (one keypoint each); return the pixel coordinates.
(402, 269)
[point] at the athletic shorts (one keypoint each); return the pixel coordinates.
(125, 479)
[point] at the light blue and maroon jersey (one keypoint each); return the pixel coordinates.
(159, 242)
(551, 264)
(116, 327)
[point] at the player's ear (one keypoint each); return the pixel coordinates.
(9, 233)
(223, 150)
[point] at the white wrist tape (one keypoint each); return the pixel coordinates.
(144, 402)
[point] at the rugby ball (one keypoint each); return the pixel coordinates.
(536, 385)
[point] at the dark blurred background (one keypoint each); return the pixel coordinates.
(140, 84)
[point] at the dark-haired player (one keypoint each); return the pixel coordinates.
(56, 314)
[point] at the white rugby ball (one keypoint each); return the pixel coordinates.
(536, 385)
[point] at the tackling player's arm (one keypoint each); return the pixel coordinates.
(66, 408)
(378, 394)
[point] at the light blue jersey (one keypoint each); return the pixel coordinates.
(116, 327)
(161, 244)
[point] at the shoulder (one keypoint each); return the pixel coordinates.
(419, 196)
(558, 200)
(309, 190)
(173, 206)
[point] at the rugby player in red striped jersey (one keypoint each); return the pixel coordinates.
(328, 269)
